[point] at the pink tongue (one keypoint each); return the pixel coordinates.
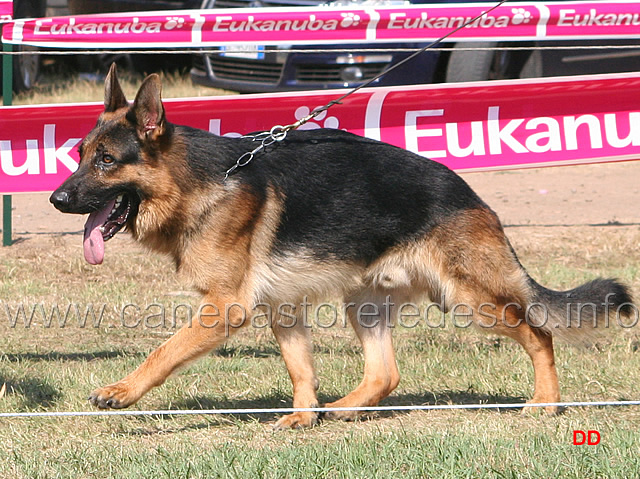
(93, 241)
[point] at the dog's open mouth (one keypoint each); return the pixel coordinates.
(102, 225)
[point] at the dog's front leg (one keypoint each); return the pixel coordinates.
(216, 321)
(296, 349)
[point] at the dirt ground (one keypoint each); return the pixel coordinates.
(570, 196)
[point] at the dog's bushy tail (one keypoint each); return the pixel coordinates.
(582, 313)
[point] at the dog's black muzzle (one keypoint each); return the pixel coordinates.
(61, 200)
(79, 195)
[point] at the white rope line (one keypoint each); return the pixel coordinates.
(193, 412)
(354, 48)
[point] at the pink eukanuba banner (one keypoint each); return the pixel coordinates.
(6, 10)
(325, 25)
(468, 127)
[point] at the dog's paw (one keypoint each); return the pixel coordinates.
(541, 410)
(297, 420)
(348, 416)
(340, 415)
(115, 396)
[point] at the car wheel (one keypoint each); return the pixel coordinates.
(477, 65)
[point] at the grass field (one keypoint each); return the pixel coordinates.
(53, 367)
(58, 87)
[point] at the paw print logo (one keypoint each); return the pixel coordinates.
(520, 15)
(174, 22)
(349, 20)
(329, 122)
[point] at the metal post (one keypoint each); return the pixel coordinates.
(6, 220)
(7, 99)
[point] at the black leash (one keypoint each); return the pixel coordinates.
(279, 132)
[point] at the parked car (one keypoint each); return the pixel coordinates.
(274, 69)
(26, 68)
(138, 62)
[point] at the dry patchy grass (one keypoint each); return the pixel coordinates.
(54, 368)
(59, 88)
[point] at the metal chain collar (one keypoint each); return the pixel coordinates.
(277, 133)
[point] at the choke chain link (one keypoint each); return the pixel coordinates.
(276, 134)
(267, 138)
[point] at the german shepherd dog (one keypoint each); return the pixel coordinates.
(323, 213)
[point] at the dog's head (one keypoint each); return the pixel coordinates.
(118, 160)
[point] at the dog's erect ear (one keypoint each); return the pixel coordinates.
(113, 96)
(147, 110)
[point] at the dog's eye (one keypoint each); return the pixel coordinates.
(108, 160)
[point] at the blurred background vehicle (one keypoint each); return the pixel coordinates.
(138, 62)
(265, 69)
(27, 68)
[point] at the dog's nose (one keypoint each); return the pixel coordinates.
(60, 199)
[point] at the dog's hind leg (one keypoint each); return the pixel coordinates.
(483, 275)
(216, 322)
(296, 349)
(369, 314)
(539, 346)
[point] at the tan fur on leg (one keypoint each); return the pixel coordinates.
(381, 374)
(209, 330)
(295, 345)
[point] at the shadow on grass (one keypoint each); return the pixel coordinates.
(58, 356)
(273, 400)
(36, 393)
(273, 350)
(283, 401)
(450, 397)
(262, 351)
(215, 420)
